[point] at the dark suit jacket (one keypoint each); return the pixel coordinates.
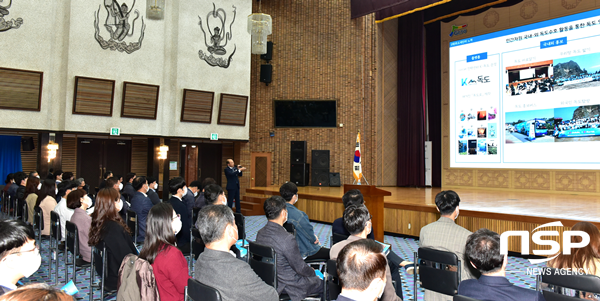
(141, 204)
(153, 196)
(128, 191)
(294, 276)
(183, 237)
(338, 227)
(232, 175)
(118, 244)
(123, 211)
(189, 201)
(342, 298)
(102, 184)
(494, 288)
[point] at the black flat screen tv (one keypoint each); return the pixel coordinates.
(305, 113)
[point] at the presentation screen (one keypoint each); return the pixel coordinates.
(528, 97)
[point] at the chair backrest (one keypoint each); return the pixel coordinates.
(290, 228)
(99, 253)
(439, 271)
(557, 287)
(333, 282)
(132, 223)
(55, 225)
(463, 298)
(263, 261)
(337, 237)
(25, 213)
(72, 239)
(195, 212)
(240, 222)
(38, 218)
(198, 291)
(197, 244)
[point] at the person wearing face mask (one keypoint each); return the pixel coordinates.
(47, 202)
(20, 256)
(123, 205)
(357, 221)
(362, 268)
(178, 189)
(108, 227)
(214, 195)
(168, 263)
(215, 265)
(31, 195)
(152, 191)
(200, 200)
(141, 204)
(294, 276)
(79, 203)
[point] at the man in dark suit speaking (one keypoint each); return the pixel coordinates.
(232, 173)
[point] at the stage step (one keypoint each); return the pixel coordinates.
(252, 206)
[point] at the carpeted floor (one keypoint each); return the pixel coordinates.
(404, 247)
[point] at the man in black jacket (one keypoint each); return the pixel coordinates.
(232, 173)
(178, 189)
(152, 194)
(128, 190)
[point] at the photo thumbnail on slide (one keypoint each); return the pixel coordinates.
(492, 147)
(528, 126)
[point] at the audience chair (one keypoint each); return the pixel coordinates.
(263, 260)
(556, 287)
(195, 212)
(290, 228)
(72, 246)
(197, 244)
(6, 207)
(333, 287)
(132, 223)
(463, 298)
(55, 238)
(197, 291)
(18, 209)
(38, 222)
(25, 212)
(240, 222)
(337, 237)
(439, 271)
(99, 252)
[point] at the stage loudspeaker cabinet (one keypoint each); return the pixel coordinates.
(298, 152)
(299, 174)
(334, 179)
(265, 73)
(27, 143)
(319, 177)
(320, 159)
(269, 55)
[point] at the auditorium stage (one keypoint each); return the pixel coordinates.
(409, 209)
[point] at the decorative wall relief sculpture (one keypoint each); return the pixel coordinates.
(218, 37)
(6, 25)
(119, 26)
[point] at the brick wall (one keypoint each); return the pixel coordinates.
(318, 53)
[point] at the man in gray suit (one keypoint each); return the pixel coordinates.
(294, 276)
(445, 235)
(217, 267)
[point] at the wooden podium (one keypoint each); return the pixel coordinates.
(374, 201)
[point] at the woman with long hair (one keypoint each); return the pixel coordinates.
(108, 227)
(586, 258)
(31, 191)
(79, 202)
(47, 201)
(169, 264)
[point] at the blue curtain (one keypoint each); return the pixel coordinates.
(10, 155)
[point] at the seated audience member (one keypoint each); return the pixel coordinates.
(81, 184)
(308, 242)
(47, 202)
(108, 227)
(34, 174)
(36, 292)
(358, 221)
(58, 176)
(21, 181)
(189, 199)
(361, 269)
(178, 189)
(200, 200)
(445, 235)
(31, 195)
(352, 197)
(586, 258)
(114, 183)
(215, 265)
(214, 195)
(152, 194)
(169, 266)
(195, 188)
(105, 176)
(10, 180)
(128, 191)
(294, 276)
(64, 212)
(141, 204)
(483, 253)
(79, 203)
(19, 254)
(68, 176)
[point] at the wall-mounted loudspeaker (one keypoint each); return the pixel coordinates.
(27, 143)
(269, 55)
(299, 174)
(265, 73)
(298, 152)
(334, 179)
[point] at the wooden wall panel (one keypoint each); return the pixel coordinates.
(232, 109)
(139, 156)
(93, 96)
(197, 106)
(20, 89)
(69, 155)
(139, 100)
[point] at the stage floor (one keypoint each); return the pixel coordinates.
(518, 206)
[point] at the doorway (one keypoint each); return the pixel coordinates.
(200, 161)
(260, 175)
(96, 156)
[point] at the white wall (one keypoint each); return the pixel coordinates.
(57, 38)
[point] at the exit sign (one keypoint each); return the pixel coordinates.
(115, 131)
(214, 136)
